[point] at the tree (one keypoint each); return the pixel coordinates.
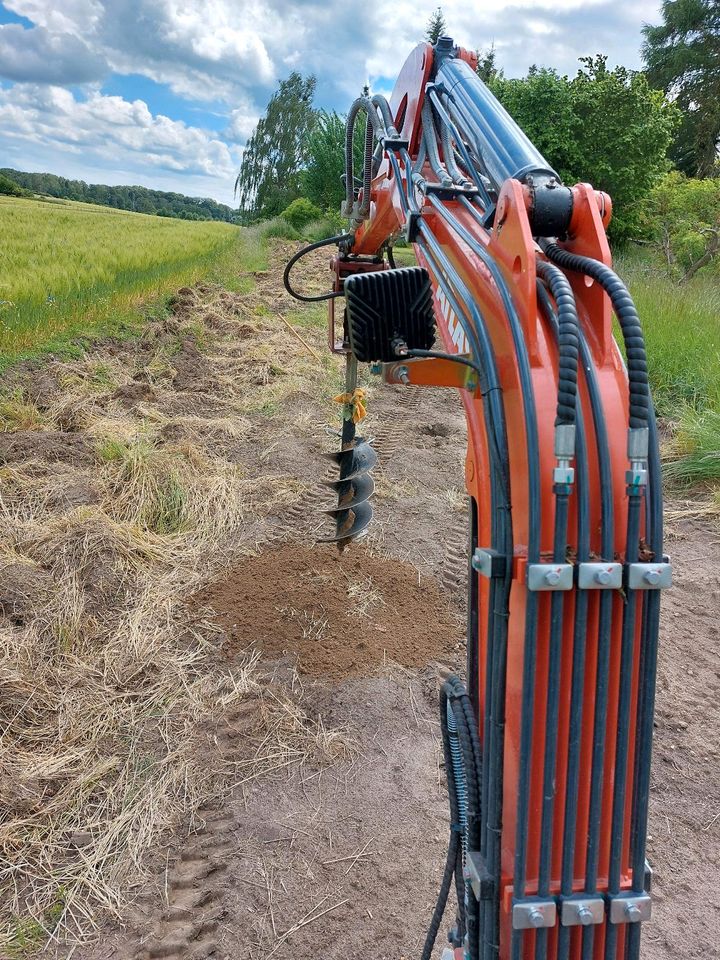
(607, 127)
(322, 178)
(682, 56)
(436, 26)
(487, 68)
(683, 223)
(269, 177)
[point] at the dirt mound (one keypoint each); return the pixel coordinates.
(53, 445)
(341, 615)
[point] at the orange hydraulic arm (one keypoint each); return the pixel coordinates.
(550, 778)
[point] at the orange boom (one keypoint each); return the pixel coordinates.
(548, 749)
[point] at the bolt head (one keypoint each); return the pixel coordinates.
(584, 916)
(552, 576)
(602, 576)
(633, 913)
(536, 918)
(652, 576)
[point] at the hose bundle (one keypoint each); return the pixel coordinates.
(462, 754)
(628, 319)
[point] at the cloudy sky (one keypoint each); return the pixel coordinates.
(165, 92)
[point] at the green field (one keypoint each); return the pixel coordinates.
(71, 268)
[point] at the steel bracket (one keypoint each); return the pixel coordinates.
(582, 911)
(600, 576)
(534, 914)
(550, 576)
(489, 563)
(630, 908)
(476, 873)
(649, 576)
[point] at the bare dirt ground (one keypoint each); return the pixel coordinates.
(275, 702)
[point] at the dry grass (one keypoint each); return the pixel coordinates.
(107, 676)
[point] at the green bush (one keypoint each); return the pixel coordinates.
(682, 220)
(301, 212)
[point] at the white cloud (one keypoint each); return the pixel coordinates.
(41, 56)
(233, 52)
(112, 135)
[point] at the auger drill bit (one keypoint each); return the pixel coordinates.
(355, 486)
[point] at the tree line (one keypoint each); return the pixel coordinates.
(637, 134)
(139, 199)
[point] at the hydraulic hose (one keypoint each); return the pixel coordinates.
(575, 721)
(461, 751)
(533, 551)
(431, 145)
(378, 130)
(627, 318)
(475, 174)
(340, 238)
(567, 319)
(498, 600)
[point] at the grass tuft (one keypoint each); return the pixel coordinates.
(694, 455)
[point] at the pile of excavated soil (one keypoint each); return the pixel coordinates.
(340, 615)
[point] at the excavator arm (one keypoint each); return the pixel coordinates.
(548, 746)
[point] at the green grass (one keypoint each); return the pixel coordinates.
(682, 333)
(75, 268)
(695, 449)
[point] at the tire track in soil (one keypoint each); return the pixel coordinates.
(187, 927)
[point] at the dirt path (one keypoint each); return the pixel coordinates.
(322, 830)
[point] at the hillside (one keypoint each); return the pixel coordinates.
(135, 198)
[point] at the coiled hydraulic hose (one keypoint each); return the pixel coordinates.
(627, 318)
(375, 128)
(567, 318)
(461, 750)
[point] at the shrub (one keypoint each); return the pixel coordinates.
(682, 219)
(301, 212)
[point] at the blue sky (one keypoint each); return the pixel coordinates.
(165, 93)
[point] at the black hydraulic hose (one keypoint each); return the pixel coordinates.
(627, 651)
(455, 172)
(450, 871)
(498, 601)
(461, 750)
(628, 319)
(568, 324)
(366, 104)
(646, 684)
(369, 142)
(577, 683)
(431, 145)
(384, 107)
(340, 238)
(533, 552)
(464, 153)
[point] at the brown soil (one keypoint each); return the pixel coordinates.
(340, 616)
(338, 854)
